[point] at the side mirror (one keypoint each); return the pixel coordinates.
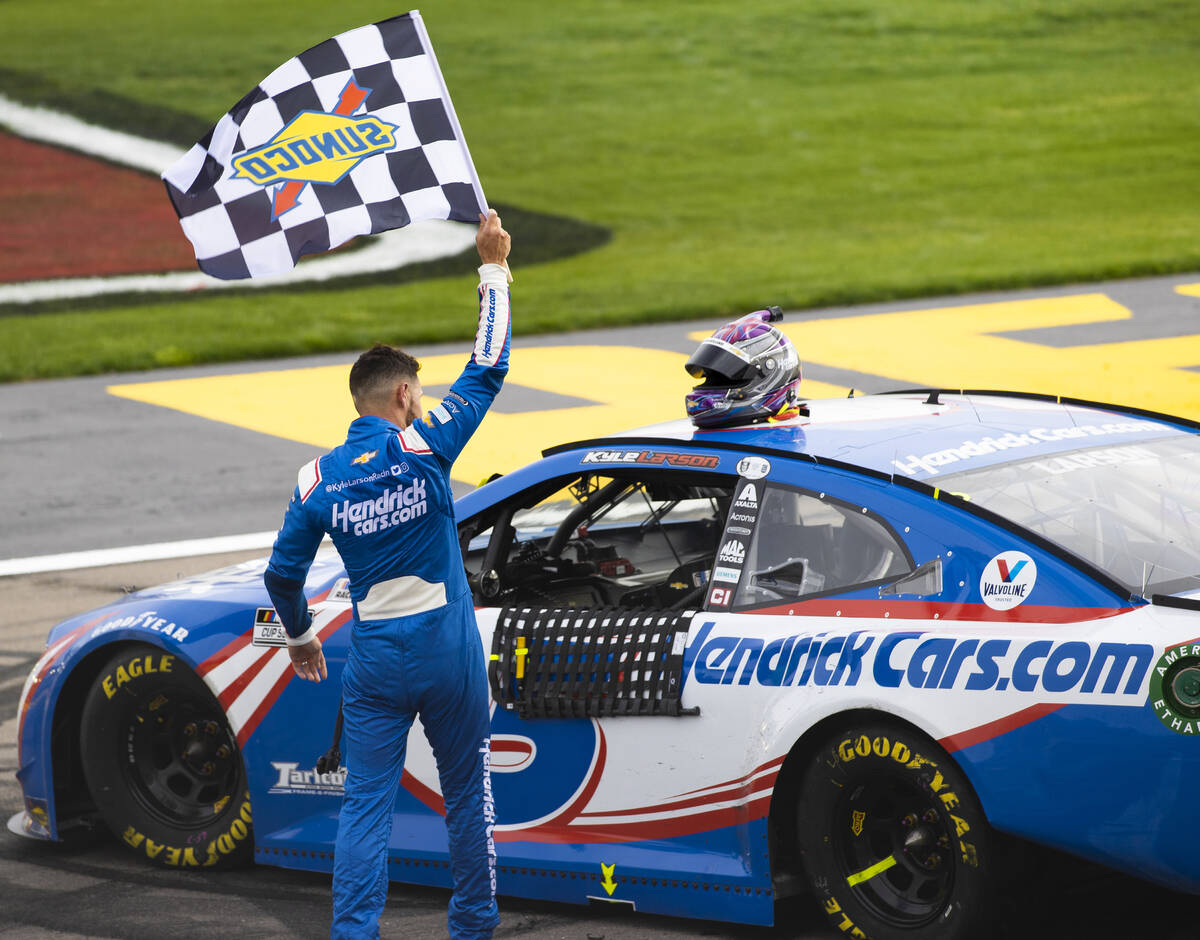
(924, 581)
(486, 584)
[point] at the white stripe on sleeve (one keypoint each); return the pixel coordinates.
(493, 314)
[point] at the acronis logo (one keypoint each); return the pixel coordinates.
(316, 147)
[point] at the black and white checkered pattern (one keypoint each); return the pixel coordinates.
(427, 175)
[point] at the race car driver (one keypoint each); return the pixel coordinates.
(384, 498)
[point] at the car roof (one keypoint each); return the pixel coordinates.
(926, 433)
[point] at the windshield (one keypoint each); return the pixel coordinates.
(1132, 511)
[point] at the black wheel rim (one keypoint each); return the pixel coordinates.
(896, 847)
(183, 765)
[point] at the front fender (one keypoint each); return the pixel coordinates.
(54, 690)
(198, 619)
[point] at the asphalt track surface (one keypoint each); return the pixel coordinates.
(90, 469)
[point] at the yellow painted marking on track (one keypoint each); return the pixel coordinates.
(1188, 290)
(868, 873)
(632, 387)
(311, 406)
(951, 347)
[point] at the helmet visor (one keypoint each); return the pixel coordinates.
(720, 365)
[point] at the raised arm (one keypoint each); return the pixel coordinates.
(449, 425)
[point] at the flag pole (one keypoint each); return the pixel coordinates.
(427, 46)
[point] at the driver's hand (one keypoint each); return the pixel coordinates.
(308, 661)
(491, 240)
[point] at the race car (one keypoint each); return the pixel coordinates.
(841, 650)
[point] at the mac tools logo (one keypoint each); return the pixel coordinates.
(732, 551)
(1007, 580)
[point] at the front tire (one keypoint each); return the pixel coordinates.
(894, 842)
(162, 764)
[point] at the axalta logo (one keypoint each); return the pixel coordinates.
(1072, 669)
(364, 457)
(316, 147)
(747, 498)
(732, 551)
(291, 779)
(1007, 580)
(394, 507)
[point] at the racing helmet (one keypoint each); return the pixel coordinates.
(751, 372)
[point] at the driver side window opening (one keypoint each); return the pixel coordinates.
(603, 539)
(807, 545)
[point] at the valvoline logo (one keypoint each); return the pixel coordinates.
(1007, 580)
(316, 147)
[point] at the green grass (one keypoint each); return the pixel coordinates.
(738, 154)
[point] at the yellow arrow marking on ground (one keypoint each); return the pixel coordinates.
(631, 387)
(609, 885)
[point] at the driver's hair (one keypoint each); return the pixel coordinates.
(378, 371)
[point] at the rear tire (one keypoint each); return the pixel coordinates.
(893, 840)
(162, 764)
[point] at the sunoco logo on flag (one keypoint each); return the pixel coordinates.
(354, 136)
(316, 147)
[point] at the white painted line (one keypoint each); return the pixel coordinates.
(137, 553)
(421, 241)
(63, 130)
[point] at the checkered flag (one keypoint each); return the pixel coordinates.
(355, 136)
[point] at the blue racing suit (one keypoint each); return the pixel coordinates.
(384, 498)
